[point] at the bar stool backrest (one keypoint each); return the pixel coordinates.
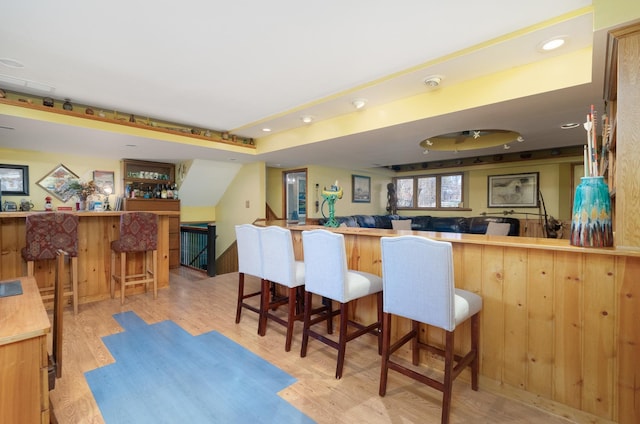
(325, 263)
(48, 232)
(138, 232)
(249, 254)
(279, 262)
(418, 280)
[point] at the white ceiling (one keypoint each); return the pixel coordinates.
(243, 65)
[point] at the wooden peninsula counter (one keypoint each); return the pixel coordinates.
(95, 233)
(560, 325)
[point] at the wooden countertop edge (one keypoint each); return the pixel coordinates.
(84, 213)
(23, 316)
(560, 245)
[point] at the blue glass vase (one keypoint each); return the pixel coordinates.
(591, 224)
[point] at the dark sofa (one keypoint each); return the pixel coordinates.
(471, 225)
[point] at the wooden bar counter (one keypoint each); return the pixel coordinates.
(95, 233)
(560, 326)
(24, 389)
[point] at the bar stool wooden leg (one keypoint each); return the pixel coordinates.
(240, 296)
(74, 283)
(342, 338)
(448, 377)
(123, 275)
(58, 305)
(155, 274)
(112, 284)
(291, 317)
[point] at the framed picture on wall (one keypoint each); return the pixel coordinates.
(14, 180)
(104, 181)
(60, 182)
(514, 190)
(361, 189)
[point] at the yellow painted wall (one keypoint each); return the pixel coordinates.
(197, 213)
(41, 163)
(247, 189)
(325, 177)
(555, 182)
(610, 13)
(275, 190)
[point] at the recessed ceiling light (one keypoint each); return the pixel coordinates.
(307, 119)
(11, 63)
(552, 44)
(433, 81)
(359, 103)
(569, 125)
(266, 129)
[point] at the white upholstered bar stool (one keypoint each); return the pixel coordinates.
(327, 275)
(280, 266)
(418, 284)
(498, 229)
(249, 263)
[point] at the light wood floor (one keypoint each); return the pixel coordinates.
(200, 304)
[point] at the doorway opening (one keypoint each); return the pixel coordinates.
(295, 195)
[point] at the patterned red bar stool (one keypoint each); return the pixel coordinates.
(46, 234)
(138, 234)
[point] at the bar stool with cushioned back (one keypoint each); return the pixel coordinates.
(249, 263)
(498, 228)
(327, 275)
(138, 234)
(280, 267)
(46, 234)
(418, 284)
(401, 224)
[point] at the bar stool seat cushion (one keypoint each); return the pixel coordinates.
(466, 304)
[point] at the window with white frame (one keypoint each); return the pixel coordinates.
(439, 191)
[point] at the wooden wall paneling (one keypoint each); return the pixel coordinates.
(569, 327)
(360, 252)
(628, 138)
(93, 270)
(515, 317)
(599, 335)
(462, 340)
(227, 261)
(492, 274)
(558, 322)
(628, 343)
(95, 233)
(12, 240)
(467, 261)
(541, 322)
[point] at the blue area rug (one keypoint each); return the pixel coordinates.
(162, 374)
